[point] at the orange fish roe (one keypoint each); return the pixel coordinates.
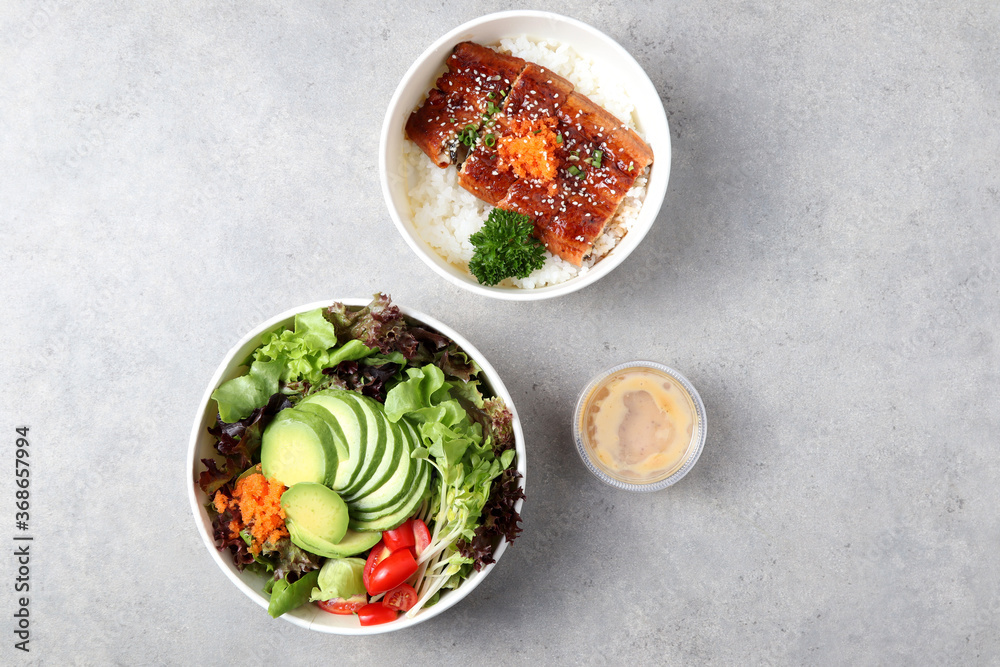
(221, 502)
(529, 149)
(259, 503)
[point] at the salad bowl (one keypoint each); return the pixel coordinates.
(649, 117)
(200, 447)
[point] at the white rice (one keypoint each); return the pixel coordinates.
(446, 215)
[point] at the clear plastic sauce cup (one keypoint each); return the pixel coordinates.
(639, 426)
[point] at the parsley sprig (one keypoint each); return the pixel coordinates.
(505, 248)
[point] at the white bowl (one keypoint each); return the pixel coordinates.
(585, 40)
(200, 447)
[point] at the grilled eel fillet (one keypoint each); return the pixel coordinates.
(569, 211)
(476, 76)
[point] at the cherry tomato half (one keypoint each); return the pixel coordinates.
(377, 555)
(402, 597)
(421, 536)
(376, 613)
(399, 538)
(343, 606)
(396, 568)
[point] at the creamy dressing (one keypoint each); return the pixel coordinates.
(637, 425)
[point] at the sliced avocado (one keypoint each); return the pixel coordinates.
(335, 431)
(376, 446)
(399, 484)
(395, 444)
(297, 447)
(353, 424)
(392, 517)
(314, 511)
(419, 485)
(354, 542)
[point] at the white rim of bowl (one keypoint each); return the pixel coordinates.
(699, 408)
(200, 514)
(651, 205)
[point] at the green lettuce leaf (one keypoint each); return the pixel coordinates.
(380, 359)
(314, 331)
(468, 392)
(465, 453)
(309, 348)
(339, 578)
(352, 350)
(240, 396)
(446, 446)
(287, 596)
(426, 398)
(287, 356)
(423, 389)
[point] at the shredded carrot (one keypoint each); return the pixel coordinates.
(259, 503)
(529, 150)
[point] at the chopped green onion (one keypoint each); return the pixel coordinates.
(490, 95)
(559, 138)
(537, 132)
(574, 170)
(490, 140)
(631, 166)
(454, 120)
(468, 135)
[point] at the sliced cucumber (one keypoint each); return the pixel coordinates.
(297, 447)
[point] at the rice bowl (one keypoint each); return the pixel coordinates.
(446, 215)
(436, 216)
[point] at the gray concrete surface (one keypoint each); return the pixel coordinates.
(824, 269)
